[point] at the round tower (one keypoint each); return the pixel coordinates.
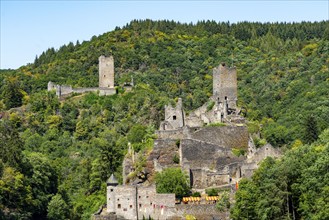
(111, 183)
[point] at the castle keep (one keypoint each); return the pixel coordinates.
(106, 81)
(106, 72)
(225, 85)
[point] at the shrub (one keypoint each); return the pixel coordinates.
(212, 192)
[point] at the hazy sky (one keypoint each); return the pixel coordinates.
(30, 27)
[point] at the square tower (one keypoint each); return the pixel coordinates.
(225, 85)
(174, 117)
(106, 72)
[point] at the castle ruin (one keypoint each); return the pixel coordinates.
(223, 104)
(204, 142)
(106, 81)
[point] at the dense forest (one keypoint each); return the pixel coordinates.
(55, 155)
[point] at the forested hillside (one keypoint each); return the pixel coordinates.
(56, 155)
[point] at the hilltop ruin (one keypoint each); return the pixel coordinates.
(106, 81)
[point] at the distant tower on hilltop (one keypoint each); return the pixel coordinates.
(225, 85)
(106, 72)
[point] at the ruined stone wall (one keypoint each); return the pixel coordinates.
(164, 206)
(51, 86)
(82, 90)
(202, 116)
(193, 120)
(201, 211)
(106, 72)
(226, 136)
(110, 91)
(63, 90)
(102, 91)
(198, 178)
(209, 164)
(225, 85)
(247, 169)
(199, 154)
(145, 200)
(174, 117)
(266, 151)
(133, 202)
(126, 201)
(170, 134)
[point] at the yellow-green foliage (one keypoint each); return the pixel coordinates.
(218, 124)
(238, 152)
(253, 127)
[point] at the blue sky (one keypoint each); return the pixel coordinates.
(30, 27)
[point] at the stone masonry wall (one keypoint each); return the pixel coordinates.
(199, 154)
(202, 211)
(170, 134)
(226, 136)
(174, 117)
(125, 201)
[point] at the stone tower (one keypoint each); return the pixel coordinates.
(106, 72)
(225, 85)
(174, 117)
(111, 183)
(51, 86)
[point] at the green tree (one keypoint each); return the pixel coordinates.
(172, 180)
(57, 208)
(224, 202)
(245, 201)
(310, 129)
(136, 134)
(15, 194)
(12, 93)
(11, 145)
(43, 180)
